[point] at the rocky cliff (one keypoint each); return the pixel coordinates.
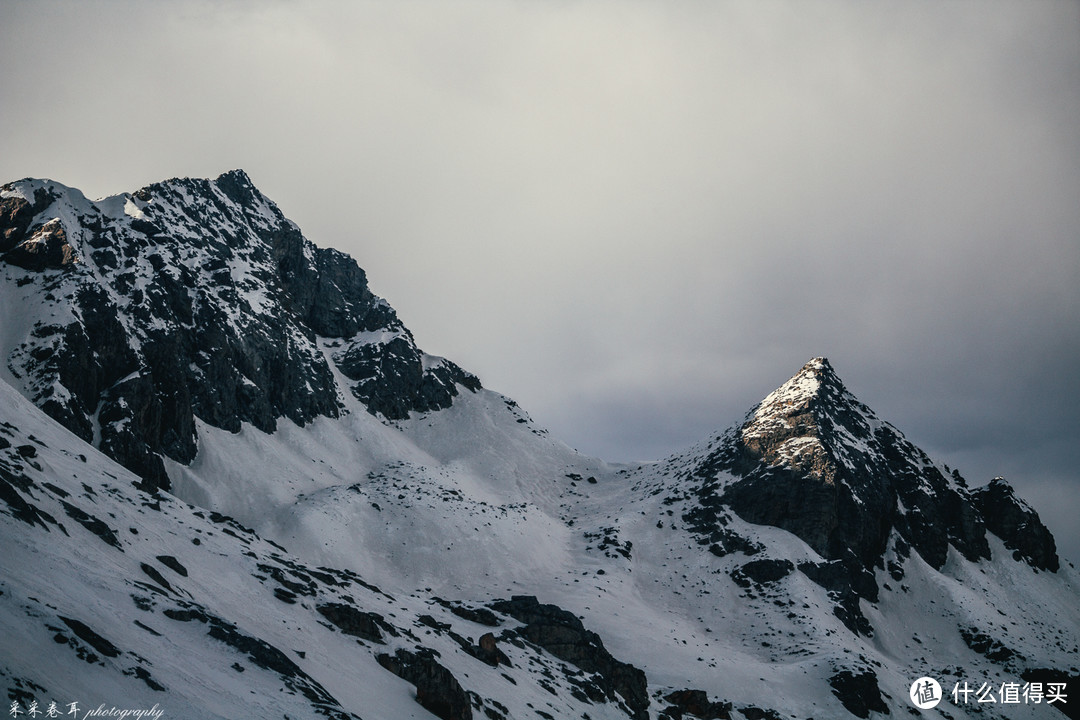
(195, 299)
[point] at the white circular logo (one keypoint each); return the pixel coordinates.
(925, 693)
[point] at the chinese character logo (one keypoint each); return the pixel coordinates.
(925, 693)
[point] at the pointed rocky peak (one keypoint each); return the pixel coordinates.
(237, 186)
(816, 379)
(236, 178)
(811, 423)
(813, 460)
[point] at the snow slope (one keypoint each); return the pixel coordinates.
(112, 595)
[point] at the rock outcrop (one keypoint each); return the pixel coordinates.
(859, 692)
(1017, 524)
(695, 703)
(436, 687)
(562, 634)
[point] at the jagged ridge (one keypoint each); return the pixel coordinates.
(196, 298)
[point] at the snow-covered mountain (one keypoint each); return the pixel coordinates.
(235, 487)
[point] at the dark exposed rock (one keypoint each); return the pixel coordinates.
(259, 651)
(22, 690)
(145, 227)
(47, 248)
(859, 692)
(697, 704)
(610, 544)
(753, 712)
(341, 303)
(988, 647)
(154, 574)
(185, 615)
(269, 657)
(708, 518)
(354, 622)
(93, 524)
(488, 651)
(936, 519)
(437, 689)
(482, 616)
(58, 491)
(724, 542)
(848, 611)
(1017, 524)
(91, 638)
(144, 675)
(843, 576)
(92, 356)
(285, 596)
(432, 623)
(16, 214)
(264, 655)
(847, 581)
(766, 570)
(18, 506)
(562, 634)
(392, 380)
(173, 564)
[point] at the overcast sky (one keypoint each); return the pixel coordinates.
(637, 218)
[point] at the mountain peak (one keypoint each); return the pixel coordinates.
(196, 299)
(817, 364)
(820, 370)
(799, 423)
(813, 460)
(238, 187)
(238, 175)
(814, 379)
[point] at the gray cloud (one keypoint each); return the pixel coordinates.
(636, 218)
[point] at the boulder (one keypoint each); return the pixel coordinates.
(437, 690)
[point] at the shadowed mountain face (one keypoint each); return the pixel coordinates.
(1015, 522)
(196, 298)
(808, 557)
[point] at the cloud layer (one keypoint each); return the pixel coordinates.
(637, 219)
